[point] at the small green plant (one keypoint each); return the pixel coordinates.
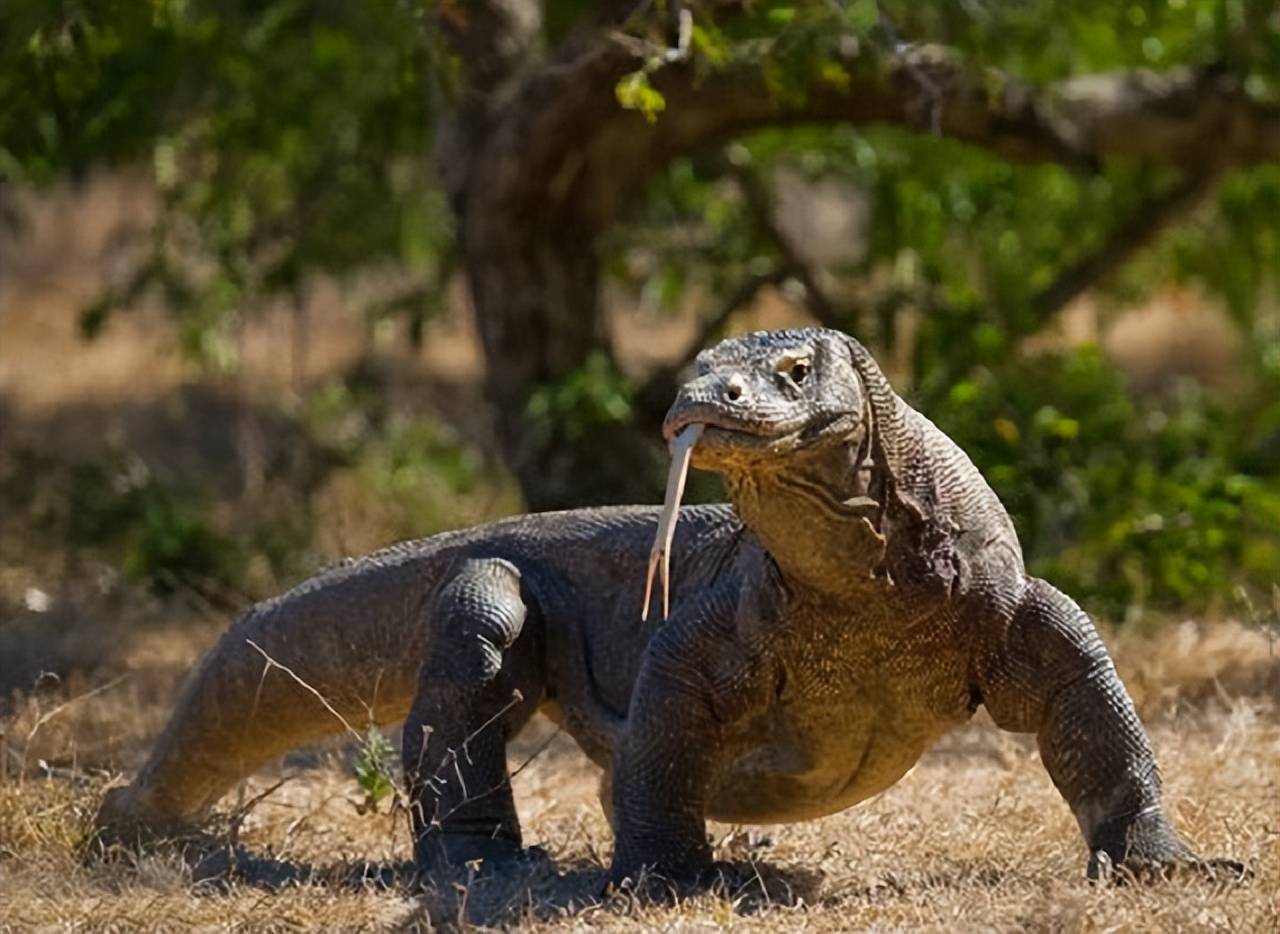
(373, 768)
(634, 92)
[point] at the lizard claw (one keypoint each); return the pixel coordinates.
(1101, 868)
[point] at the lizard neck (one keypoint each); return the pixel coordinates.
(820, 516)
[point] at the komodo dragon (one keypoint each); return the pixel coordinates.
(863, 594)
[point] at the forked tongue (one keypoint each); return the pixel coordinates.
(660, 556)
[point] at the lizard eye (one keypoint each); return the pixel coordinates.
(798, 372)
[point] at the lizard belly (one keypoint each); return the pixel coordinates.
(799, 765)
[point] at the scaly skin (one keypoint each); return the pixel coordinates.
(864, 594)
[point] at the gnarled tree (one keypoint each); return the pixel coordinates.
(550, 132)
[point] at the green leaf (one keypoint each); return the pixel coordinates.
(863, 15)
(634, 92)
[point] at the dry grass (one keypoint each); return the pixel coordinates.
(975, 837)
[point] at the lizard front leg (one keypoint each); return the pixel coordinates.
(1047, 671)
(695, 680)
(472, 694)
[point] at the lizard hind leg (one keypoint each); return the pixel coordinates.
(480, 681)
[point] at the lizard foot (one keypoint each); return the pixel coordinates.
(1148, 849)
(1137, 870)
(122, 829)
(487, 891)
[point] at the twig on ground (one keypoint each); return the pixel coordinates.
(536, 753)
(242, 811)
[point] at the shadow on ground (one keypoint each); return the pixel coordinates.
(542, 890)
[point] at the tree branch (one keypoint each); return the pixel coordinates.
(539, 158)
(1186, 116)
(740, 298)
(581, 151)
(1142, 228)
(1146, 224)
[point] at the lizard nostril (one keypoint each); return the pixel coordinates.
(734, 389)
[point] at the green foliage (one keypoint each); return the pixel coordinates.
(398, 453)
(634, 92)
(597, 393)
(287, 140)
(423, 474)
(160, 532)
(1128, 503)
(1043, 40)
(1235, 255)
(374, 767)
(290, 140)
(422, 465)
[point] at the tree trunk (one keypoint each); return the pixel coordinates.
(527, 231)
(534, 279)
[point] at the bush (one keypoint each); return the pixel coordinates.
(1126, 503)
(159, 532)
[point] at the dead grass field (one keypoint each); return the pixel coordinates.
(975, 838)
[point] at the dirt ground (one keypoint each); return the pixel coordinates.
(975, 838)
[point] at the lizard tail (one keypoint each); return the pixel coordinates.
(337, 654)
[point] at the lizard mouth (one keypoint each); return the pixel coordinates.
(683, 433)
(729, 436)
(704, 427)
(728, 429)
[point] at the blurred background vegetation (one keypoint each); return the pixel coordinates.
(282, 280)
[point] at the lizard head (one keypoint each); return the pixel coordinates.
(763, 396)
(761, 402)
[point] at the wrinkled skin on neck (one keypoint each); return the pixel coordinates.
(833, 493)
